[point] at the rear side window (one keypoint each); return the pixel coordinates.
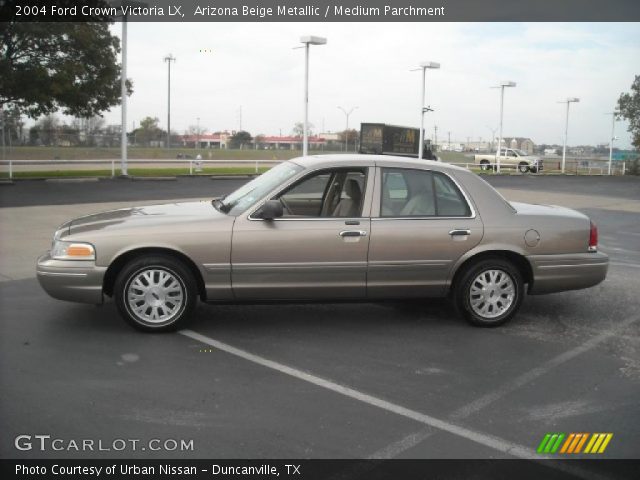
(420, 193)
(449, 199)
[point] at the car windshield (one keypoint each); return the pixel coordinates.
(238, 201)
(521, 153)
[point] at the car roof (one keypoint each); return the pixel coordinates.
(356, 159)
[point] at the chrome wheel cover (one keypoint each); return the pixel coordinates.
(492, 293)
(155, 295)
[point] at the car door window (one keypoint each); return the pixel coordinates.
(306, 197)
(407, 193)
(420, 193)
(335, 193)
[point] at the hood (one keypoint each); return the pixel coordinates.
(164, 214)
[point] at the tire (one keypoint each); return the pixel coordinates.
(468, 295)
(523, 167)
(484, 165)
(533, 169)
(157, 286)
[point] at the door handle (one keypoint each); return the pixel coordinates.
(353, 233)
(459, 232)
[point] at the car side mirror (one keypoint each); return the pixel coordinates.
(270, 210)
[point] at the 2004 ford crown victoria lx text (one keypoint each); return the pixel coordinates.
(333, 227)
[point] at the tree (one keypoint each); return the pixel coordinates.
(351, 136)
(240, 139)
(45, 67)
(45, 131)
(629, 106)
(298, 129)
(14, 126)
(148, 131)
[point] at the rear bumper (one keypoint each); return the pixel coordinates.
(74, 281)
(558, 273)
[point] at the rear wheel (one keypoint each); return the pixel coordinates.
(484, 165)
(489, 292)
(523, 167)
(155, 293)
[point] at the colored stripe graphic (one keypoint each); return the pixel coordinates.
(598, 443)
(567, 443)
(595, 443)
(550, 443)
(543, 443)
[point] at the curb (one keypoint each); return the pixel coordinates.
(231, 177)
(147, 179)
(72, 180)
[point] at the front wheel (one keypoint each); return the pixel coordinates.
(155, 293)
(489, 292)
(523, 167)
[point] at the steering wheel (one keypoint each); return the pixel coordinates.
(285, 206)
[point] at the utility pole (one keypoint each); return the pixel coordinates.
(449, 140)
(197, 133)
(169, 58)
(613, 114)
(240, 115)
(435, 136)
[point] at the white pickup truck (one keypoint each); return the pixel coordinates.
(510, 158)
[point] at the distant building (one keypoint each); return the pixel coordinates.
(290, 142)
(520, 143)
(206, 140)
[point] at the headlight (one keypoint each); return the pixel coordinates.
(72, 251)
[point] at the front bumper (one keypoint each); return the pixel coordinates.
(71, 280)
(558, 273)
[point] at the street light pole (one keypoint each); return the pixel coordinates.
(566, 129)
(613, 127)
(169, 58)
(506, 83)
(123, 94)
(423, 67)
(346, 130)
(308, 40)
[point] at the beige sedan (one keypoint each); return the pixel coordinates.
(335, 227)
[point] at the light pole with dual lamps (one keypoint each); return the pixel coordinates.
(169, 58)
(566, 128)
(423, 109)
(504, 84)
(346, 130)
(307, 40)
(123, 86)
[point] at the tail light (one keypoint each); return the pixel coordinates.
(593, 238)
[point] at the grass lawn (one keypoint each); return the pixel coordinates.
(135, 172)
(85, 153)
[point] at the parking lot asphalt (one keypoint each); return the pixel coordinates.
(382, 380)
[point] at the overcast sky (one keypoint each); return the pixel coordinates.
(254, 65)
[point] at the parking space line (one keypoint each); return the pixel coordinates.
(536, 372)
(495, 443)
(396, 448)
